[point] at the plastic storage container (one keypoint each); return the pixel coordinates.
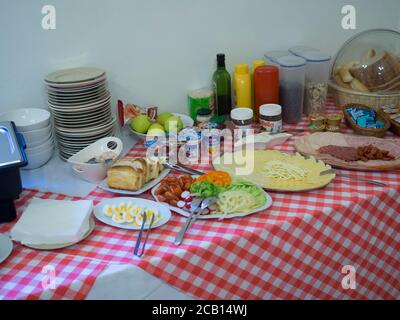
(317, 77)
(271, 57)
(12, 157)
(292, 71)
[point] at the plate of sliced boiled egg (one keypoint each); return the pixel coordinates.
(127, 213)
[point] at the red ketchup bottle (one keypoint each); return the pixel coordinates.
(266, 87)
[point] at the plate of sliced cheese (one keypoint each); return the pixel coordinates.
(274, 170)
(133, 176)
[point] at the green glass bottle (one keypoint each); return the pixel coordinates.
(222, 88)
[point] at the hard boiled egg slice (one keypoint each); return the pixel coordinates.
(108, 210)
(119, 217)
(137, 211)
(122, 207)
(129, 218)
(150, 212)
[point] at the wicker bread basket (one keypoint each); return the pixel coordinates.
(379, 133)
(343, 96)
(394, 125)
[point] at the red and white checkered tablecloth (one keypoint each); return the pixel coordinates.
(294, 250)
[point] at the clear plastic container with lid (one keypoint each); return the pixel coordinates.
(317, 77)
(271, 57)
(291, 87)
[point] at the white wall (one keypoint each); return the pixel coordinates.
(155, 51)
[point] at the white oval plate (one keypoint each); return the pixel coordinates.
(163, 210)
(6, 247)
(103, 184)
(185, 213)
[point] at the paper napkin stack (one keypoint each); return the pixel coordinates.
(53, 222)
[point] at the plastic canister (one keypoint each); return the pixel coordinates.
(266, 86)
(242, 86)
(291, 87)
(271, 57)
(317, 76)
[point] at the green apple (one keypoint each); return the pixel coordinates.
(156, 129)
(173, 124)
(140, 123)
(163, 116)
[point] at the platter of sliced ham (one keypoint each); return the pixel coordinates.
(351, 151)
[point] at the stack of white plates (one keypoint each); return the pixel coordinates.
(80, 105)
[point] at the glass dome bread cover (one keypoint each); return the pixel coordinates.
(369, 63)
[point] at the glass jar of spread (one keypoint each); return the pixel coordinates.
(316, 122)
(333, 122)
(203, 115)
(242, 118)
(271, 117)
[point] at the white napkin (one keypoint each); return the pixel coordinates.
(53, 222)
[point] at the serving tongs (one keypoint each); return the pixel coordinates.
(182, 168)
(139, 239)
(198, 205)
(331, 171)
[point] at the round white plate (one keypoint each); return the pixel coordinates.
(74, 75)
(164, 212)
(83, 107)
(71, 103)
(185, 213)
(6, 247)
(62, 245)
(79, 90)
(60, 116)
(103, 184)
(88, 126)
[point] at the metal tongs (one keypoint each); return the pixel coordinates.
(198, 205)
(377, 183)
(182, 168)
(139, 239)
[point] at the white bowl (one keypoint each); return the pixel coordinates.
(94, 172)
(186, 121)
(38, 159)
(45, 145)
(40, 142)
(36, 135)
(27, 119)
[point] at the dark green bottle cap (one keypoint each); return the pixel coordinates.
(218, 119)
(203, 111)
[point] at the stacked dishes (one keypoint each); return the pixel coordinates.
(35, 126)
(80, 105)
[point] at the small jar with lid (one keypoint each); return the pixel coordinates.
(271, 117)
(203, 115)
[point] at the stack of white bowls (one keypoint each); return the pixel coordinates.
(35, 126)
(80, 104)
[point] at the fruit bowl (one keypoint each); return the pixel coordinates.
(186, 120)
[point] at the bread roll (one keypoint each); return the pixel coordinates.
(344, 72)
(357, 85)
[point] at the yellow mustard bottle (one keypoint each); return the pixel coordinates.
(256, 63)
(242, 86)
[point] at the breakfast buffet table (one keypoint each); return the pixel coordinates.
(296, 249)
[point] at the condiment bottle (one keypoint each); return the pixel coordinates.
(256, 64)
(242, 86)
(222, 87)
(271, 117)
(266, 87)
(291, 87)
